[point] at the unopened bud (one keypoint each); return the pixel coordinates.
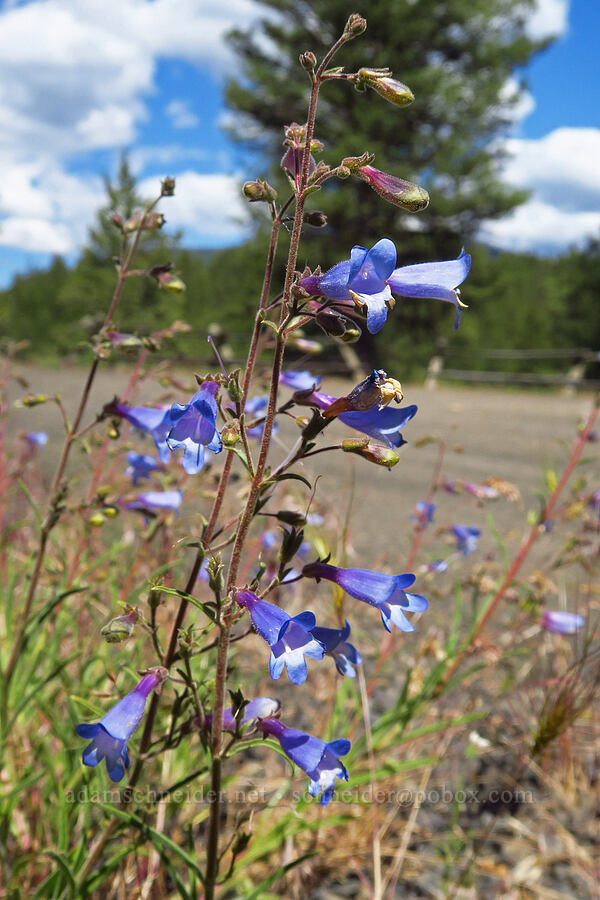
(375, 453)
(291, 518)
(113, 433)
(336, 325)
(214, 569)
(230, 434)
(400, 193)
(120, 628)
(152, 221)
(167, 187)
(259, 191)
(315, 218)
(110, 512)
(171, 283)
(354, 163)
(117, 220)
(355, 25)
(96, 520)
(389, 88)
(302, 421)
(31, 400)
(308, 60)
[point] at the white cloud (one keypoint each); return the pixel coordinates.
(549, 19)
(562, 170)
(209, 208)
(181, 115)
(36, 235)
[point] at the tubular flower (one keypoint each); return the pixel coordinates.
(360, 280)
(157, 500)
(193, 427)
(140, 466)
(259, 708)
(382, 424)
(300, 380)
(423, 514)
(467, 537)
(110, 735)
(335, 641)
(256, 410)
(386, 592)
(38, 438)
(320, 760)
(154, 420)
(290, 638)
(562, 622)
(433, 281)
(368, 279)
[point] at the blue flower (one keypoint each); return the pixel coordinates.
(361, 280)
(157, 500)
(140, 466)
(193, 427)
(386, 592)
(290, 638)
(110, 735)
(259, 708)
(562, 622)
(320, 760)
(433, 280)
(151, 419)
(466, 538)
(300, 380)
(368, 279)
(38, 438)
(423, 514)
(382, 424)
(335, 641)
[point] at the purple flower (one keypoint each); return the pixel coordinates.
(423, 513)
(193, 427)
(361, 281)
(438, 565)
(38, 438)
(382, 424)
(386, 592)
(110, 735)
(433, 281)
(481, 491)
(259, 708)
(320, 760)
(335, 641)
(562, 622)
(140, 466)
(151, 419)
(368, 279)
(466, 538)
(290, 638)
(300, 380)
(157, 500)
(256, 408)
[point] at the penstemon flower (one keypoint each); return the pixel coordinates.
(289, 637)
(110, 735)
(335, 641)
(193, 427)
(151, 419)
(467, 537)
(320, 760)
(562, 622)
(386, 592)
(140, 466)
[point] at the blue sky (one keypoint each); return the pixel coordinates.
(81, 79)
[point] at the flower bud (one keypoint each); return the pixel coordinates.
(400, 193)
(96, 520)
(230, 434)
(336, 325)
(302, 421)
(152, 221)
(120, 628)
(290, 517)
(355, 26)
(167, 187)
(259, 191)
(31, 400)
(375, 453)
(354, 163)
(308, 60)
(216, 582)
(171, 283)
(389, 88)
(315, 218)
(117, 220)
(110, 512)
